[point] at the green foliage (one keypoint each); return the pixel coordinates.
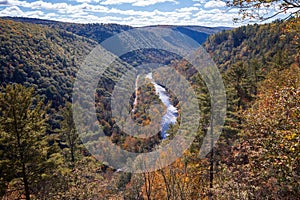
(260, 43)
(95, 31)
(40, 57)
(23, 129)
(69, 135)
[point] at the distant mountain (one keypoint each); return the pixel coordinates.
(46, 54)
(97, 32)
(198, 33)
(202, 29)
(100, 32)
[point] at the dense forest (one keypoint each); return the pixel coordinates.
(42, 156)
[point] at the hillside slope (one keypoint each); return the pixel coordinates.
(97, 32)
(41, 57)
(260, 43)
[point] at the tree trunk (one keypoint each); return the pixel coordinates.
(72, 154)
(147, 185)
(24, 175)
(25, 182)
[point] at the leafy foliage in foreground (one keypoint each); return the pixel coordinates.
(23, 138)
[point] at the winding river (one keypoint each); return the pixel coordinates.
(171, 113)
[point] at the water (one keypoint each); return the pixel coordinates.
(136, 93)
(172, 112)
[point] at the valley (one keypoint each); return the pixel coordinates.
(43, 154)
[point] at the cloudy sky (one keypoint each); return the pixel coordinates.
(131, 12)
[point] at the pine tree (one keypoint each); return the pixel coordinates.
(22, 130)
(69, 135)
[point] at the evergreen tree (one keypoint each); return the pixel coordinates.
(69, 135)
(22, 131)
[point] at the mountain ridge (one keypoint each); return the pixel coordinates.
(101, 31)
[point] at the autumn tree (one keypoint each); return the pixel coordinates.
(266, 161)
(256, 9)
(22, 130)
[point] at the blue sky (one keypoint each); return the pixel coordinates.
(131, 12)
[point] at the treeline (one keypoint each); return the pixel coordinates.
(97, 32)
(269, 44)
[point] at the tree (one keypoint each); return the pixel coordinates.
(255, 9)
(23, 149)
(237, 79)
(148, 180)
(264, 165)
(68, 130)
(275, 120)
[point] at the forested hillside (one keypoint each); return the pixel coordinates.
(96, 32)
(42, 157)
(41, 57)
(263, 44)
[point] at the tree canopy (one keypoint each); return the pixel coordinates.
(22, 128)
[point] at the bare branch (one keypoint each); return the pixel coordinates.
(251, 8)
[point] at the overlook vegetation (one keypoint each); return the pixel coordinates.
(42, 157)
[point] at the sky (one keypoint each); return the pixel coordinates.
(136, 13)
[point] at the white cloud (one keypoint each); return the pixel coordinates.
(215, 17)
(15, 11)
(49, 15)
(59, 7)
(215, 4)
(11, 2)
(84, 1)
(97, 13)
(87, 1)
(11, 11)
(136, 2)
(40, 5)
(197, 4)
(117, 2)
(151, 2)
(187, 9)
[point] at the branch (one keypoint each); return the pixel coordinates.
(274, 15)
(295, 5)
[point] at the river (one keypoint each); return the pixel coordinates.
(171, 114)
